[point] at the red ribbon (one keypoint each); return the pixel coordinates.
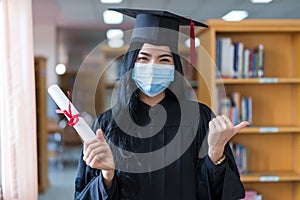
(73, 118)
(192, 44)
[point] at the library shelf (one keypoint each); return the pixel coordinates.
(273, 140)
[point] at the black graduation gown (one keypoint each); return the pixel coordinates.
(187, 178)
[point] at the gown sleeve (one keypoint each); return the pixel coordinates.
(89, 183)
(220, 182)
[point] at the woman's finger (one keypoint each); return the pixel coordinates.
(87, 144)
(96, 153)
(211, 126)
(218, 124)
(100, 135)
(227, 120)
(240, 126)
(222, 122)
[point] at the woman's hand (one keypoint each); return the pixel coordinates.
(98, 155)
(221, 130)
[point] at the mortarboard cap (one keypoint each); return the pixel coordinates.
(159, 27)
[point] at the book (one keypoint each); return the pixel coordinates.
(219, 47)
(246, 109)
(225, 106)
(240, 154)
(251, 63)
(246, 68)
(226, 56)
(260, 61)
(240, 59)
(236, 102)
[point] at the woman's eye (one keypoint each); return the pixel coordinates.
(165, 60)
(142, 59)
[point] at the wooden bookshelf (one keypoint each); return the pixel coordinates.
(41, 113)
(273, 140)
(275, 176)
(85, 86)
(270, 130)
(265, 80)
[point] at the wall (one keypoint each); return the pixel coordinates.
(45, 44)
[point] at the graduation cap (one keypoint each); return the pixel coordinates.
(160, 27)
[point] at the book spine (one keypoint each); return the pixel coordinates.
(231, 72)
(236, 102)
(236, 60)
(240, 60)
(225, 57)
(251, 63)
(219, 55)
(260, 52)
(246, 67)
(225, 106)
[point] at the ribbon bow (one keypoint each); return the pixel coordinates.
(73, 119)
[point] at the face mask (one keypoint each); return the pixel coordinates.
(152, 79)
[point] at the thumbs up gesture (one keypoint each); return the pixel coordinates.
(221, 130)
(98, 155)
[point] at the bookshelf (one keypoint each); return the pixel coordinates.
(41, 113)
(273, 140)
(89, 94)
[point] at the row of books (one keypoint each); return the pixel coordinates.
(234, 60)
(252, 195)
(237, 108)
(241, 157)
(240, 154)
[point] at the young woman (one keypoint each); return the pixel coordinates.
(154, 143)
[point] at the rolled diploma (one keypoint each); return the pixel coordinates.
(82, 128)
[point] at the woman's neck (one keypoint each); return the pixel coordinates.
(151, 101)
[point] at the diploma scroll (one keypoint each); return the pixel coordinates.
(82, 128)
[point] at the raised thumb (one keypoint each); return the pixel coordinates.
(100, 135)
(240, 126)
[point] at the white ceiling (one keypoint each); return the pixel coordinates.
(81, 20)
(89, 12)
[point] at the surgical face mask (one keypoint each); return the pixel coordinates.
(151, 78)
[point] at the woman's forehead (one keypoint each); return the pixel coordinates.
(157, 49)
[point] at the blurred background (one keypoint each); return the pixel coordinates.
(72, 39)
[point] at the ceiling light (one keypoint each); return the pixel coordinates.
(112, 17)
(235, 15)
(197, 42)
(261, 1)
(114, 34)
(110, 1)
(115, 43)
(60, 69)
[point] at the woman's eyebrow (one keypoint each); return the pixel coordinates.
(145, 54)
(165, 55)
(160, 56)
